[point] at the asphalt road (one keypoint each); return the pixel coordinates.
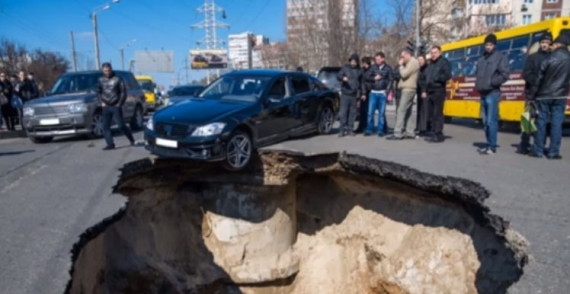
(50, 193)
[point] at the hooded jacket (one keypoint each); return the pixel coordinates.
(492, 72)
(386, 81)
(112, 90)
(353, 86)
(554, 76)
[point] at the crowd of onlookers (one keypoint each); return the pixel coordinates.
(14, 92)
(368, 83)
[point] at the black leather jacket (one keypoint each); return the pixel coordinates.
(112, 91)
(531, 69)
(436, 75)
(385, 83)
(28, 91)
(553, 77)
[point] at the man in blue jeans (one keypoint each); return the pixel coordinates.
(112, 93)
(380, 75)
(550, 92)
(492, 72)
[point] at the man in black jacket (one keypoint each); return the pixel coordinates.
(350, 77)
(550, 92)
(112, 93)
(530, 74)
(366, 64)
(492, 72)
(380, 76)
(423, 109)
(27, 90)
(437, 74)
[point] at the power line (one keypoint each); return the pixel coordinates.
(257, 15)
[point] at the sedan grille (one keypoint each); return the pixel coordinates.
(48, 110)
(172, 130)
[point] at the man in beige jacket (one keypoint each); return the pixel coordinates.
(405, 120)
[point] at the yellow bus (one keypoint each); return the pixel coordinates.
(463, 100)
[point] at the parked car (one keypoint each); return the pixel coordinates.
(239, 112)
(328, 76)
(72, 107)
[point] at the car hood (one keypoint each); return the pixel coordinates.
(197, 111)
(63, 98)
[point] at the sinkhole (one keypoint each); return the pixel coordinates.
(329, 223)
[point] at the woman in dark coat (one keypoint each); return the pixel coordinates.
(9, 114)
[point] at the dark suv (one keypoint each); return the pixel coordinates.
(72, 107)
(239, 112)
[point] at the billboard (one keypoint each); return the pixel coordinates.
(208, 59)
(154, 61)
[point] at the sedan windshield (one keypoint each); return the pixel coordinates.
(76, 83)
(241, 88)
(186, 91)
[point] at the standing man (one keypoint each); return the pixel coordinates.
(366, 64)
(27, 90)
(112, 93)
(550, 92)
(34, 84)
(9, 114)
(492, 72)
(381, 78)
(405, 119)
(530, 74)
(436, 77)
(423, 109)
(350, 76)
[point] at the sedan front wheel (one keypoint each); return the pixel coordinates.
(238, 151)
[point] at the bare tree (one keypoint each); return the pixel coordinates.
(46, 65)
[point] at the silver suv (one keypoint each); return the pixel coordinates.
(72, 107)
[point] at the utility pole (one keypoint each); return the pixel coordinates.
(96, 38)
(73, 54)
(122, 59)
(418, 25)
(210, 26)
(186, 67)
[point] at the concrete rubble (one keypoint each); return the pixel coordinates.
(329, 223)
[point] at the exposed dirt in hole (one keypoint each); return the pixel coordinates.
(332, 223)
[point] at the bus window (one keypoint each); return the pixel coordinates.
(504, 45)
(456, 66)
(517, 59)
(473, 51)
(470, 66)
(520, 42)
(455, 54)
(458, 54)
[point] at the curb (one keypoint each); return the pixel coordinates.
(12, 134)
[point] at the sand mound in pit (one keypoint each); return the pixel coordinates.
(297, 224)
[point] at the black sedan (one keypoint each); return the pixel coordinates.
(239, 112)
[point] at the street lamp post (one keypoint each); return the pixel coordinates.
(122, 50)
(95, 32)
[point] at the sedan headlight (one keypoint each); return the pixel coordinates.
(77, 108)
(209, 130)
(150, 124)
(29, 111)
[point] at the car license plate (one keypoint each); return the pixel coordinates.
(49, 122)
(166, 143)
